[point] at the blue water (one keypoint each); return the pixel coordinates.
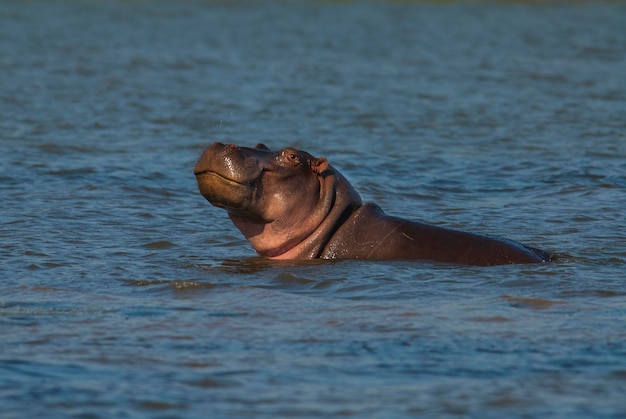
(125, 294)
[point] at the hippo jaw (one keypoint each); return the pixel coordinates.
(225, 193)
(227, 177)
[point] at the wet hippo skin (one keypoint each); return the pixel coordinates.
(291, 205)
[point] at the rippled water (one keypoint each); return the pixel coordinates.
(124, 293)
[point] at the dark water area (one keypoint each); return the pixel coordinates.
(125, 294)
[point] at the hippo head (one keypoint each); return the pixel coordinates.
(256, 183)
(276, 198)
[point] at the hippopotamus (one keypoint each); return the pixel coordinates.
(291, 205)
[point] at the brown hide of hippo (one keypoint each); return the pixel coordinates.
(291, 205)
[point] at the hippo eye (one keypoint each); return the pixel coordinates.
(290, 155)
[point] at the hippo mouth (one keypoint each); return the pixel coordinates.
(229, 176)
(227, 164)
(224, 192)
(213, 176)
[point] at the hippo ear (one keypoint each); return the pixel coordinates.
(319, 165)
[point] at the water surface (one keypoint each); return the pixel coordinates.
(126, 294)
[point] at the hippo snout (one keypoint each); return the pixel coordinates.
(238, 164)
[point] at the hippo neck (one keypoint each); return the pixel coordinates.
(340, 200)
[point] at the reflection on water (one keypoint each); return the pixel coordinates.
(126, 294)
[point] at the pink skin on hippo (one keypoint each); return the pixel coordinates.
(291, 205)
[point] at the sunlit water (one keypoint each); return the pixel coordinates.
(124, 293)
